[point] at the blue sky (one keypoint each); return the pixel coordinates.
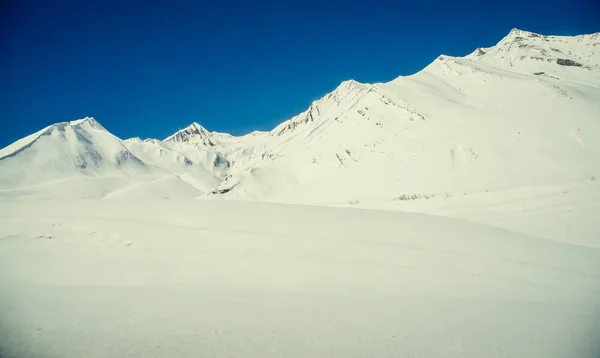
(148, 68)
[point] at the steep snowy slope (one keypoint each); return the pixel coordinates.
(154, 151)
(200, 172)
(462, 124)
(201, 147)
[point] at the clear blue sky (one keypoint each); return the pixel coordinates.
(147, 68)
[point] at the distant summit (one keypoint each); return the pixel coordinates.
(193, 134)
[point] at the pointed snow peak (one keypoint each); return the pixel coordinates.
(83, 120)
(343, 90)
(525, 43)
(348, 85)
(349, 82)
(90, 121)
(192, 134)
(516, 35)
(348, 91)
(480, 51)
(133, 140)
(85, 124)
(193, 129)
(197, 128)
(522, 33)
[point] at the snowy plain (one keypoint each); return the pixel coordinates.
(128, 278)
(452, 213)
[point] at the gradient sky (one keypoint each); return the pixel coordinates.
(148, 68)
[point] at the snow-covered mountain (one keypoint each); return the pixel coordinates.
(66, 149)
(524, 112)
(461, 125)
(530, 53)
(82, 159)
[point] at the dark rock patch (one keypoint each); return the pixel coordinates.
(567, 62)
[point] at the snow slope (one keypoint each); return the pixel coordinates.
(460, 124)
(199, 171)
(142, 278)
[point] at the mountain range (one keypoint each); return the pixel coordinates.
(523, 113)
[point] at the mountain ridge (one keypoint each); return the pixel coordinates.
(353, 128)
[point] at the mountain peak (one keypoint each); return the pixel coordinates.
(533, 53)
(87, 121)
(348, 85)
(522, 33)
(518, 36)
(348, 91)
(83, 120)
(192, 134)
(133, 140)
(72, 148)
(197, 127)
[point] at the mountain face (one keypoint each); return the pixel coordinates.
(521, 113)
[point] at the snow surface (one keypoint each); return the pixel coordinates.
(216, 278)
(112, 247)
